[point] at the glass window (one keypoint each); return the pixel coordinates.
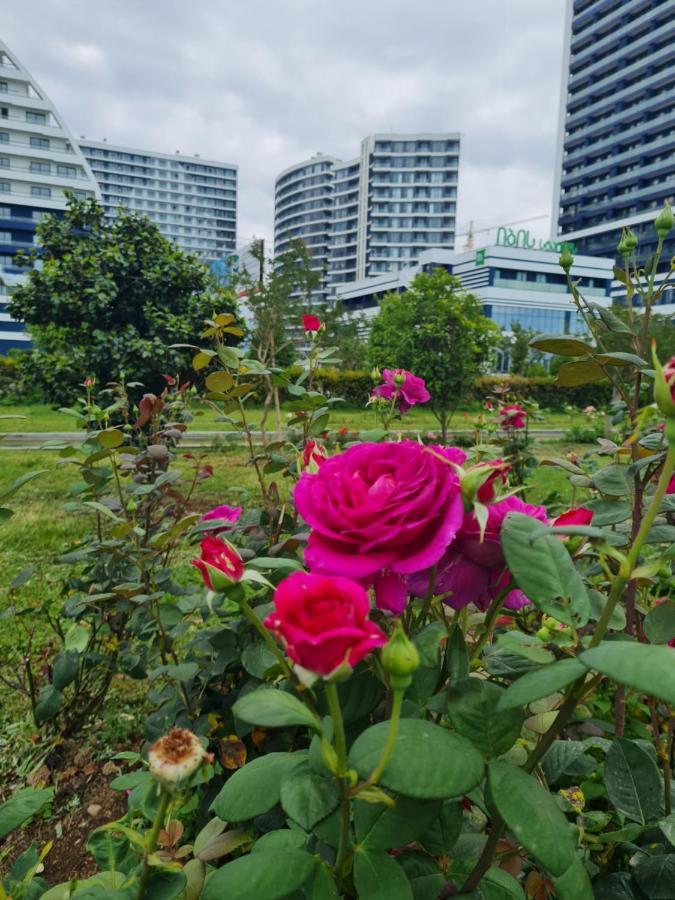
(4, 162)
(4, 137)
(4, 187)
(36, 118)
(37, 191)
(44, 168)
(67, 171)
(4, 87)
(39, 142)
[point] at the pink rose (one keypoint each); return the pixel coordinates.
(578, 516)
(313, 453)
(488, 551)
(219, 563)
(488, 490)
(671, 486)
(669, 375)
(387, 506)
(406, 388)
(310, 323)
(513, 416)
(222, 514)
(322, 621)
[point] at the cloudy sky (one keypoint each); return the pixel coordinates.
(267, 83)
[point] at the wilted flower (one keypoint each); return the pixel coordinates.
(175, 757)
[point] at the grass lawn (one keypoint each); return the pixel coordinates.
(39, 417)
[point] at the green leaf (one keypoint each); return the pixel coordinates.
(163, 884)
(21, 806)
(257, 659)
(270, 708)
(425, 877)
(543, 568)
(633, 782)
(621, 359)
(561, 756)
(613, 480)
(659, 624)
(617, 886)
(48, 704)
(582, 371)
(255, 788)
(65, 668)
(446, 764)
(611, 321)
(574, 884)
(105, 881)
(19, 482)
(497, 884)
(110, 438)
(456, 655)
(444, 832)
(667, 827)
(308, 797)
(271, 875)
(526, 645)
(533, 816)
(541, 683)
(322, 885)
(379, 877)
(280, 839)
(379, 827)
(473, 707)
(655, 876)
(562, 346)
(646, 667)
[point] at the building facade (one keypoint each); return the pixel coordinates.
(616, 145)
(193, 201)
(39, 163)
(513, 283)
(373, 214)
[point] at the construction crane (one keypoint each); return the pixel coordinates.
(471, 233)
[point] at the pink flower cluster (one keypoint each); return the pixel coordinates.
(388, 514)
(406, 389)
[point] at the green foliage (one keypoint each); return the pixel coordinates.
(438, 332)
(21, 806)
(109, 298)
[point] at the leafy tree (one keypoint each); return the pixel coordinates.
(439, 332)
(109, 297)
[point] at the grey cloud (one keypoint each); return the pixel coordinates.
(266, 84)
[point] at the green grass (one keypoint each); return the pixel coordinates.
(39, 417)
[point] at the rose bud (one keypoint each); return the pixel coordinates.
(175, 757)
(220, 564)
(566, 258)
(311, 323)
(664, 221)
(400, 659)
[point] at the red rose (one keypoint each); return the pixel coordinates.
(313, 455)
(513, 416)
(323, 622)
(580, 515)
(310, 323)
(219, 563)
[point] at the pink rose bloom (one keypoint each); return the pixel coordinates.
(387, 506)
(513, 416)
(453, 454)
(323, 622)
(222, 514)
(407, 388)
(488, 552)
(219, 563)
(669, 375)
(310, 323)
(671, 486)
(313, 453)
(578, 516)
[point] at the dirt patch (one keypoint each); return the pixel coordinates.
(82, 801)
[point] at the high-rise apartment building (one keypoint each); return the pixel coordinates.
(616, 163)
(372, 214)
(39, 162)
(192, 200)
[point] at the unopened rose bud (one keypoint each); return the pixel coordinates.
(375, 374)
(566, 258)
(630, 240)
(664, 221)
(400, 659)
(175, 757)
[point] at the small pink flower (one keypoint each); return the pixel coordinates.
(313, 455)
(669, 375)
(407, 389)
(219, 563)
(310, 323)
(222, 514)
(578, 516)
(671, 486)
(589, 411)
(323, 622)
(513, 416)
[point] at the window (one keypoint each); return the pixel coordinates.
(42, 168)
(4, 137)
(5, 212)
(4, 112)
(36, 118)
(4, 87)
(4, 187)
(4, 162)
(36, 191)
(67, 171)
(39, 143)
(5, 237)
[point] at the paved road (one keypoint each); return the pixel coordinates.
(53, 440)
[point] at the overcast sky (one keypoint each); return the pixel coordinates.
(267, 83)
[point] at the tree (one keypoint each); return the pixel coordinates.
(110, 297)
(439, 332)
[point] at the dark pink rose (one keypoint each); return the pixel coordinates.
(408, 389)
(226, 516)
(387, 506)
(219, 563)
(513, 416)
(669, 375)
(322, 620)
(578, 516)
(488, 490)
(391, 593)
(671, 486)
(453, 454)
(314, 454)
(488, 551)
(310, 323)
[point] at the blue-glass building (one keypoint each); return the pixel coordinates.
(616, 162)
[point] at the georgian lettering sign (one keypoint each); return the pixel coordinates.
(508, 237)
